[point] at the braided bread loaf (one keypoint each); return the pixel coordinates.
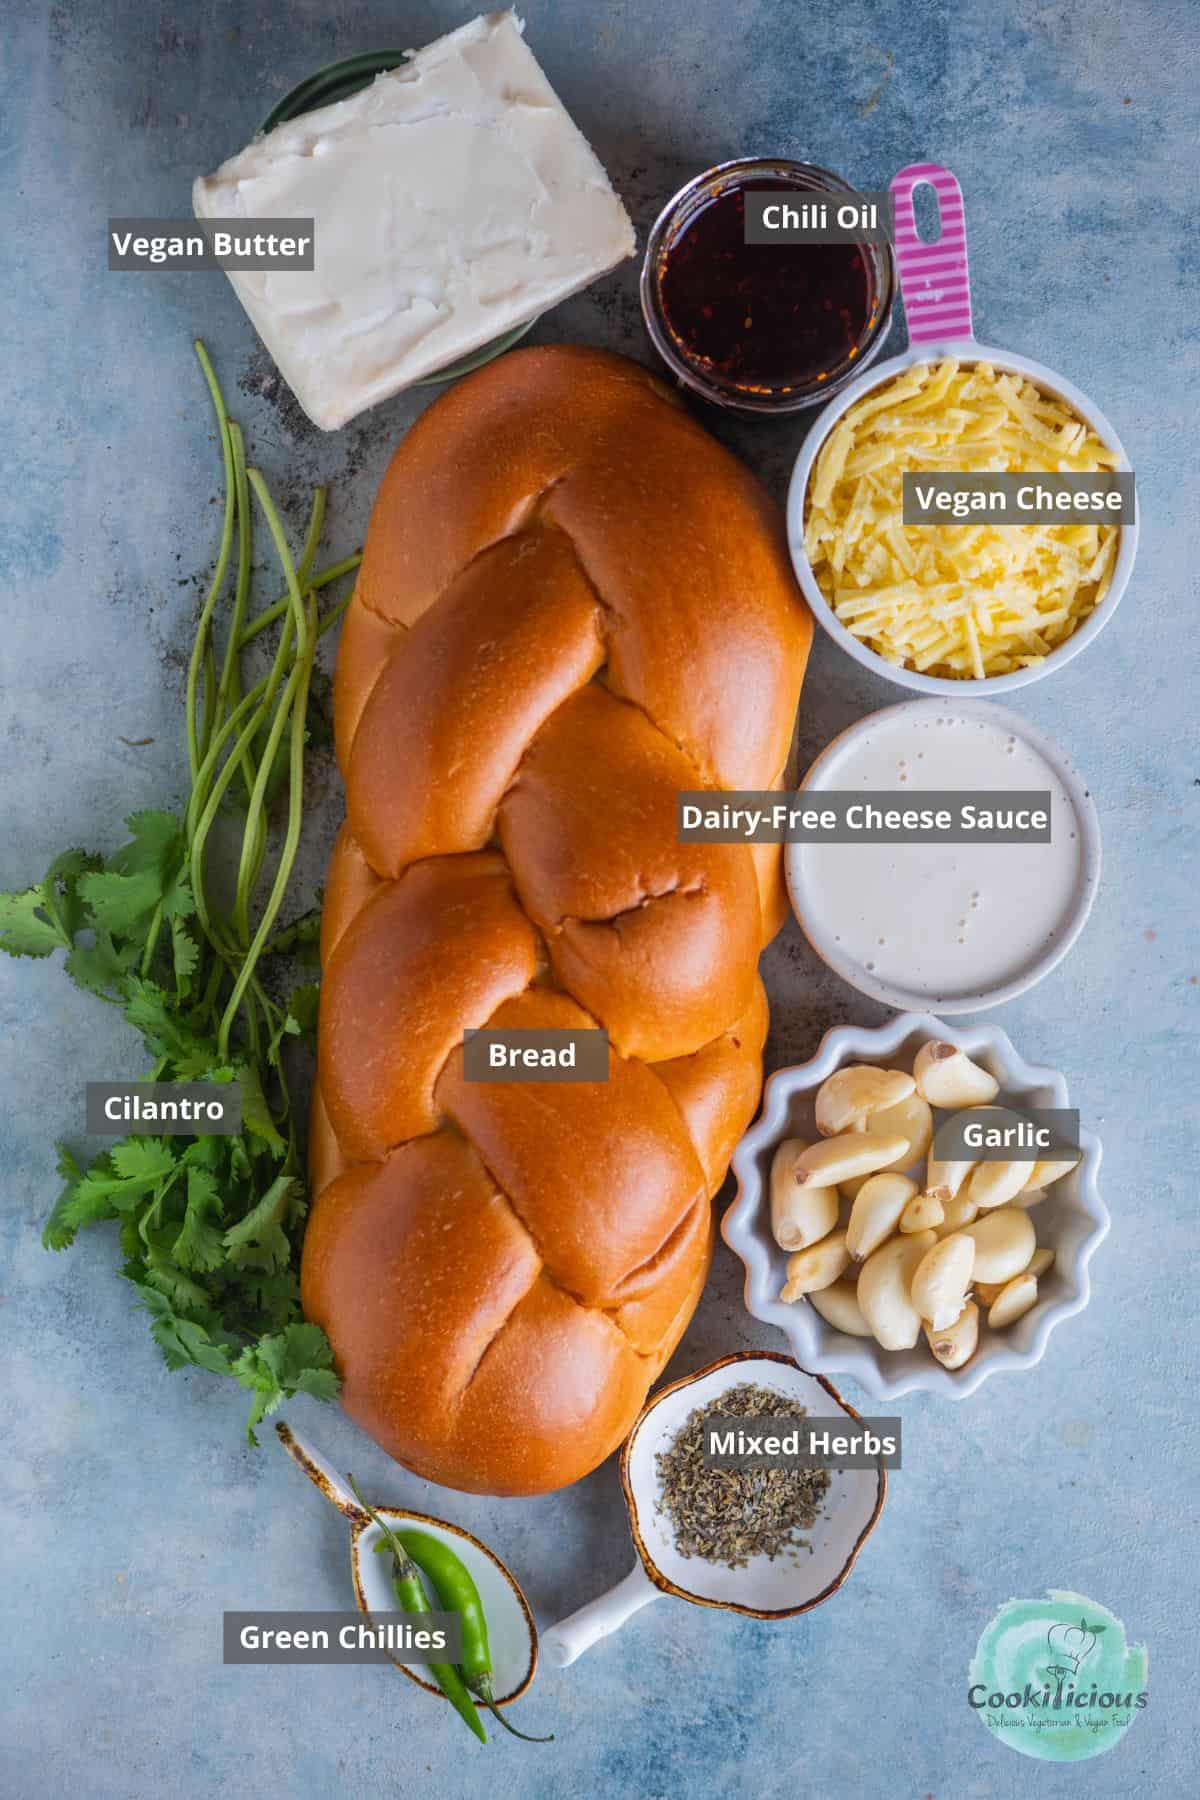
(573, 604)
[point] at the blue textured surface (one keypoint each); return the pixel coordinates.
(132, 1514)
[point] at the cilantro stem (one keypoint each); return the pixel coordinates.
(323, 578)
(202, 648)
(255, 840)
(208, 712)
(275, 527)
(201, 789)
(316, 523)
(152, 938)
(302, 613)
(199, 836)
(299, 680)
(229, 687)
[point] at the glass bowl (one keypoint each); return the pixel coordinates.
(681, 209)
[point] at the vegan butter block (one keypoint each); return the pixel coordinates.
(453, 199)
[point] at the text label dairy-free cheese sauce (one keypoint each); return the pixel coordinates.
(943, 921)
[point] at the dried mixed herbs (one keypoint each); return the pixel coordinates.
(729, 1515)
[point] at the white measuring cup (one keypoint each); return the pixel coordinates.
(781, 1588)
(936, 290)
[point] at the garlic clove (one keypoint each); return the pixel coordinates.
(800, 1214)
(942, 1278)
(945, 1178)
(1004, 1242)
(848, 1096)
(996, 1183)
(831, 1161)
(946, 1077)
(1013, 1301)
(910, 1119)
(838, 1306)
(1043, 1173)
(955, 1344)
(883, 1291)
(957, 1213)
(924, 1212)
(817, 1267)
(876, 1212)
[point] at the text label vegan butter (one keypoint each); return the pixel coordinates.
(247, 245)
(535, 1055)
(853, 816)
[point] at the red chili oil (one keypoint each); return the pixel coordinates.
(762, 317)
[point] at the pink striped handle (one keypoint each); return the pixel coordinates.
(933, 277)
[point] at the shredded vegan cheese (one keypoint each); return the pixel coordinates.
(968, 600)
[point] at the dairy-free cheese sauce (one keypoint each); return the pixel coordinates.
(943, 921)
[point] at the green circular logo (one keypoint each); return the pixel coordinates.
(1056, 1679)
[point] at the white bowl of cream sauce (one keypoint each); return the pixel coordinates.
(950, 927)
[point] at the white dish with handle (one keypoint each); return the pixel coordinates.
(1072, 1219)
(766, 1588)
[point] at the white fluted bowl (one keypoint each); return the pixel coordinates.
(1072, 1219)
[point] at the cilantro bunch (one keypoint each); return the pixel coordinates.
(210, 1227)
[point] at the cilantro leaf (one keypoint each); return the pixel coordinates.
(60, 888)
(45, 918)
(143, 874)
(150, 1010)
(113, 1184)
(121, 903)
(101, 967)
(183, 1340)
(156, 844)
(259, 1241)
(185, 1294)
(302, 1007)
(59, 1231)
(24, 928)
(275, 1295)
(256, 1114)
(199, 1244)
(185, 957)
(302, 935)
(298, 1359)
(141, 1162)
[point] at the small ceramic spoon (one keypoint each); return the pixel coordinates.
(764, 1589)
(512, 1634)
